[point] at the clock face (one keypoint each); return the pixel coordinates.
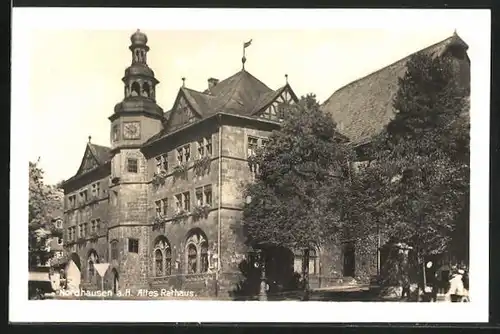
(132, 130)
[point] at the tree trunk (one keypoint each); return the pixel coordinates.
(305, 273)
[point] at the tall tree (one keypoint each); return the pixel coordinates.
(299, 190)
(45, 202)
(420, 173)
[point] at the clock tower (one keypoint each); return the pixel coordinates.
(135, 119)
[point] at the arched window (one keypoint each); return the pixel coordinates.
(204, 257)
(145, 89)
(196, 252)
(158, 263)
(114, 250)
(192, 255)
(91, 260)
(136, 89)
(162, 257)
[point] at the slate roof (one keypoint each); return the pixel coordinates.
(101, 153)
(363, 108)
(239, 94)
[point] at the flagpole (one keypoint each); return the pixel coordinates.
(243, 60)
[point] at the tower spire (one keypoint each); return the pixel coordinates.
(139, 79)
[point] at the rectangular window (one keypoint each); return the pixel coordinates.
(253, 144)
(178, 202)
(114, 250)
(133, 245)
(187, 201)
(132, 165)
(85, 229)
(205, 147)
(184, 154)
(158, 208)
(59, 240)
(80, 230)
(72, 201)
(164, 204)
(201, 148)
(97, 224)
(83, 196)
(162, 163)
(208, 146)
(199, 196)
(92, 226)
(116, 132)
(207, 191)
(97, 189)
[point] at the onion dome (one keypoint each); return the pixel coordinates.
(139, 38)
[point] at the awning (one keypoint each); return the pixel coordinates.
(39, 276)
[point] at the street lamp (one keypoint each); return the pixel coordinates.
(259, 262)
(263, 284)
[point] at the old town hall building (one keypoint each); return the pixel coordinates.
(162, 204)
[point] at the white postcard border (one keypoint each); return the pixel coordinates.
(27, 19)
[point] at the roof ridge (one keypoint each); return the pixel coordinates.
(109, 148)
(392, 64)
(196, 91)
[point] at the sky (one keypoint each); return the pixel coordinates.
(75, 74)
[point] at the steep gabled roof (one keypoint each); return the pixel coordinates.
(240, 94)
(364, 107)
(94, 156)
(101, 153)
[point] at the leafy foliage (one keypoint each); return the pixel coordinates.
(45, 202)
(299, 190)
(417, 186)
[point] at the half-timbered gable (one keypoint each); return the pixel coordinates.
(94, 156)
(275, 105)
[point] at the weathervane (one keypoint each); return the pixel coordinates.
(244, 59)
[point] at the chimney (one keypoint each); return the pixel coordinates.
(212, 82)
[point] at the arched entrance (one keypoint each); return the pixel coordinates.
(115, 276)
(349, 259)
(73, 272)
(279, 268)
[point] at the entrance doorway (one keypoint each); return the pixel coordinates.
(348, 252)
(115, 281)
